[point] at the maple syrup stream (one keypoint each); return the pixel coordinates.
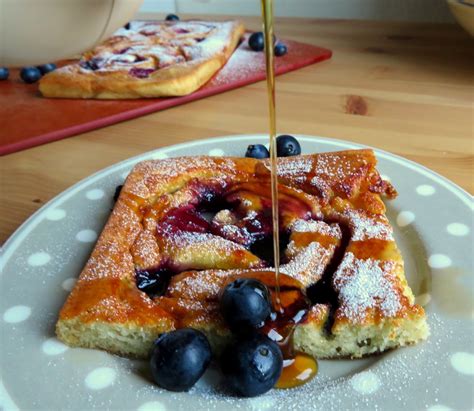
(298, 368)
(267, 15)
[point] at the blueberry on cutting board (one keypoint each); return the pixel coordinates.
(4, 73)
(256, 41)
(30, 74)
(46, 68)
(280, 49)
(179, 358)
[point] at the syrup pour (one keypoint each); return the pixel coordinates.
(267, 15)
(298, 368)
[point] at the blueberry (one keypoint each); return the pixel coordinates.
(179, 358)
(127, 26)
(245, 304)
(92, 64)
(287, 146)
(4, 73)
(257, 151)
(30, 74)
(256, 41)
(118, 189)
(280, 49)
(172, 17)
(154, 281)
(46, 68)
(252, 366)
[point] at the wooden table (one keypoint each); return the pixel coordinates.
(403, 87)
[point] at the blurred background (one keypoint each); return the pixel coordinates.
(406, 10)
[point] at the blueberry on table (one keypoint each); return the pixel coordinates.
(30, 74)
(46, 68)
(172, 17)
(280, 49)
(179, 358)
(252, 366)
(257, 151)
(256, 41)
(287, 146)
(4, 73)
(245, 304)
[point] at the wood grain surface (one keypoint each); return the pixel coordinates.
(403, 87)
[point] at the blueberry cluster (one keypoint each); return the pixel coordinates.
(29, 74)
(257, 43)
(286, 146)
(251, 364)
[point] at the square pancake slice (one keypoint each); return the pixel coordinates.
(182, 228)
(148, 59)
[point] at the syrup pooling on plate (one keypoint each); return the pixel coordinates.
(298, 368)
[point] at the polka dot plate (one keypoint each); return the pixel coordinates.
(433, 225)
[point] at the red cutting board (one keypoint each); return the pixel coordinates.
(28, 120)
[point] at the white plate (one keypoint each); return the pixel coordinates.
(433, 225)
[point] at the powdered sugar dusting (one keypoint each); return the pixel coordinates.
(156, 45)
(366, 227)
(173, 167)
(364, 284)
(313, 226)
(213, 45)
(160, 172)
(241, 65)
(332, 166)
(296, 167)
(322, 186)
(184, 239)
(308, 266)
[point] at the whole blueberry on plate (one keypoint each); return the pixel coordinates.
(179, 358)
(245, 304)
(127, 26)
(256, 41)
(252, 366)
(287, 146)
(172, 17)
(280, 49)
(46, 68)
(257, 151)
(30, 74)
(4, 73)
